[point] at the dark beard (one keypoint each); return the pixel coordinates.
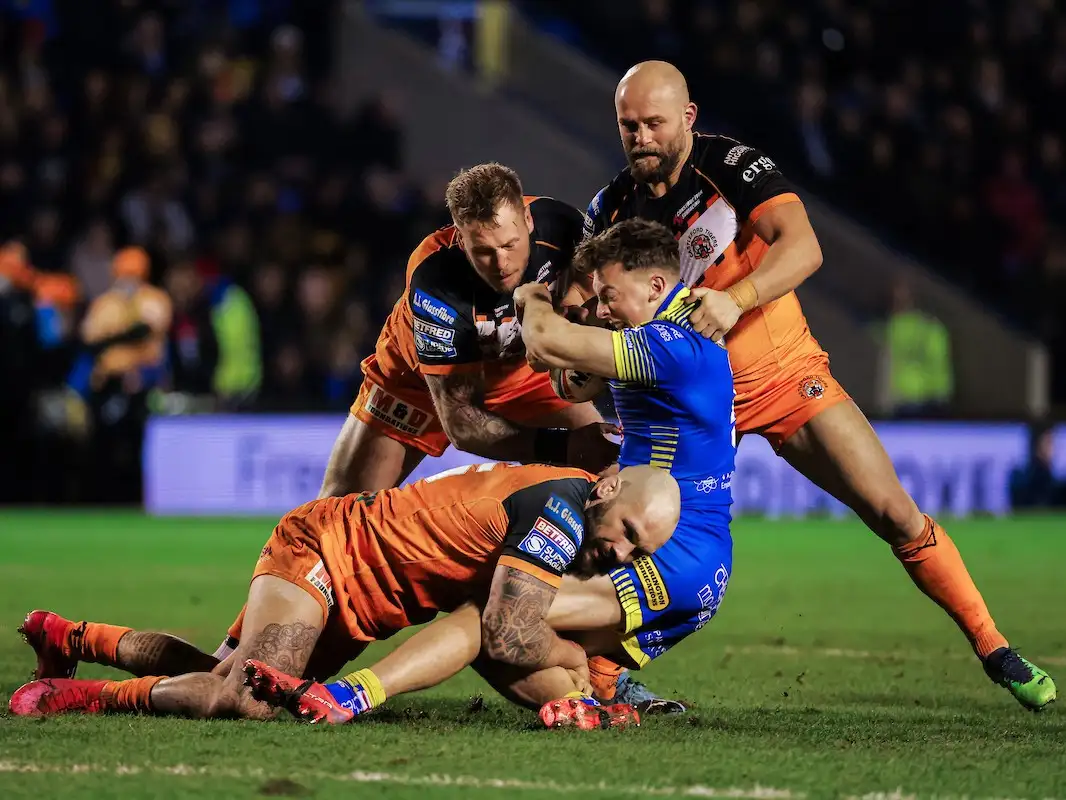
(661, 172)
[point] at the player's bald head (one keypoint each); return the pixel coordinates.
(629, 514)
(653, 77)
(655, 500)
(655, 119)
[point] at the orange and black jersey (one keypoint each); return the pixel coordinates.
(434, 544)
(450, 319)
(723, 185)
(723, 189)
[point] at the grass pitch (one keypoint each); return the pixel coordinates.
(825, 674)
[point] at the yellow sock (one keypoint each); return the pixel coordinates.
(370, 683)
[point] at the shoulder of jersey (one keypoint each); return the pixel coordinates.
(547, 211)
(713, 152)
(439, 247)
(610, 197)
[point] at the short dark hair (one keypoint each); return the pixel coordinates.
(634, 243)
(476, 194)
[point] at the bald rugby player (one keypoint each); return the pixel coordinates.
(340, 572)
(745, 241)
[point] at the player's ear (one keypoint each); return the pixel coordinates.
(607, 488)
(529, 220)
(689, 115)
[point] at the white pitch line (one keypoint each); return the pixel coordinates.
(438, 780)
(867, 655)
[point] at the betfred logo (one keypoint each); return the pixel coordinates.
(555, 536)
(434, 308)
(434, 331)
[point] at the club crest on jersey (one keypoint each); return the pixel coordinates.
(812, 388)
(701, 244)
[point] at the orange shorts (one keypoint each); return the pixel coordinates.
(801, 389)
(401, 407)
(293, 553)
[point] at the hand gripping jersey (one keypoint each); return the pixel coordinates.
(674, 399)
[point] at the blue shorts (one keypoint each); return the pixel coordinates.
(676, 590)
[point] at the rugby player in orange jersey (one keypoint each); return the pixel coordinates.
(746, 242)
(449, 364)
(340, 572)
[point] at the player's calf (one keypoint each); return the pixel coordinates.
(60, 644)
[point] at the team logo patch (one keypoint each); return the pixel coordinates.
(812, 388)
(434, 331)
(319, 578)
(395, 413)
(536, 545)
(701, 244)
(559, 511)
(428, 346)
(653, 584)
(555, 536)
(433, 308)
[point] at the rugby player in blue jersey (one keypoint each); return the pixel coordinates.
(673, 392)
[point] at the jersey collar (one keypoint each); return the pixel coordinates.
(673, 301)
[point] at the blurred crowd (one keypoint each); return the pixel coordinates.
(941, 124)
(200, 141)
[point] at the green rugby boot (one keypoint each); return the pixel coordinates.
(1030, 685)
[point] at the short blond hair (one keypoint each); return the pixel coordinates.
(476, 194)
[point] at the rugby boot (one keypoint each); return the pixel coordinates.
(303, 699)
(57, 696)
(45, 632)
(584, 713)
(636, 694)
(1030, 685)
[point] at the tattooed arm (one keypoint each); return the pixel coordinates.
(514, 627)
(458, 399)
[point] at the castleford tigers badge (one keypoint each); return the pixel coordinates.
(812, 388)
(701, 244)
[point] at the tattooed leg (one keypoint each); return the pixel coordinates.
(149, 653)
(281, 629)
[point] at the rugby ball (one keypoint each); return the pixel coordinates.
(576, 387)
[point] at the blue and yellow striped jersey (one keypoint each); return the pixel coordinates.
(674, 399)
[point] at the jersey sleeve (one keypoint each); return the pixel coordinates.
(545, 528)
(656, 354)
(442, 324)
(748, 178)
(596, 217)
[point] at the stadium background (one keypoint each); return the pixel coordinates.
(278, 159)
